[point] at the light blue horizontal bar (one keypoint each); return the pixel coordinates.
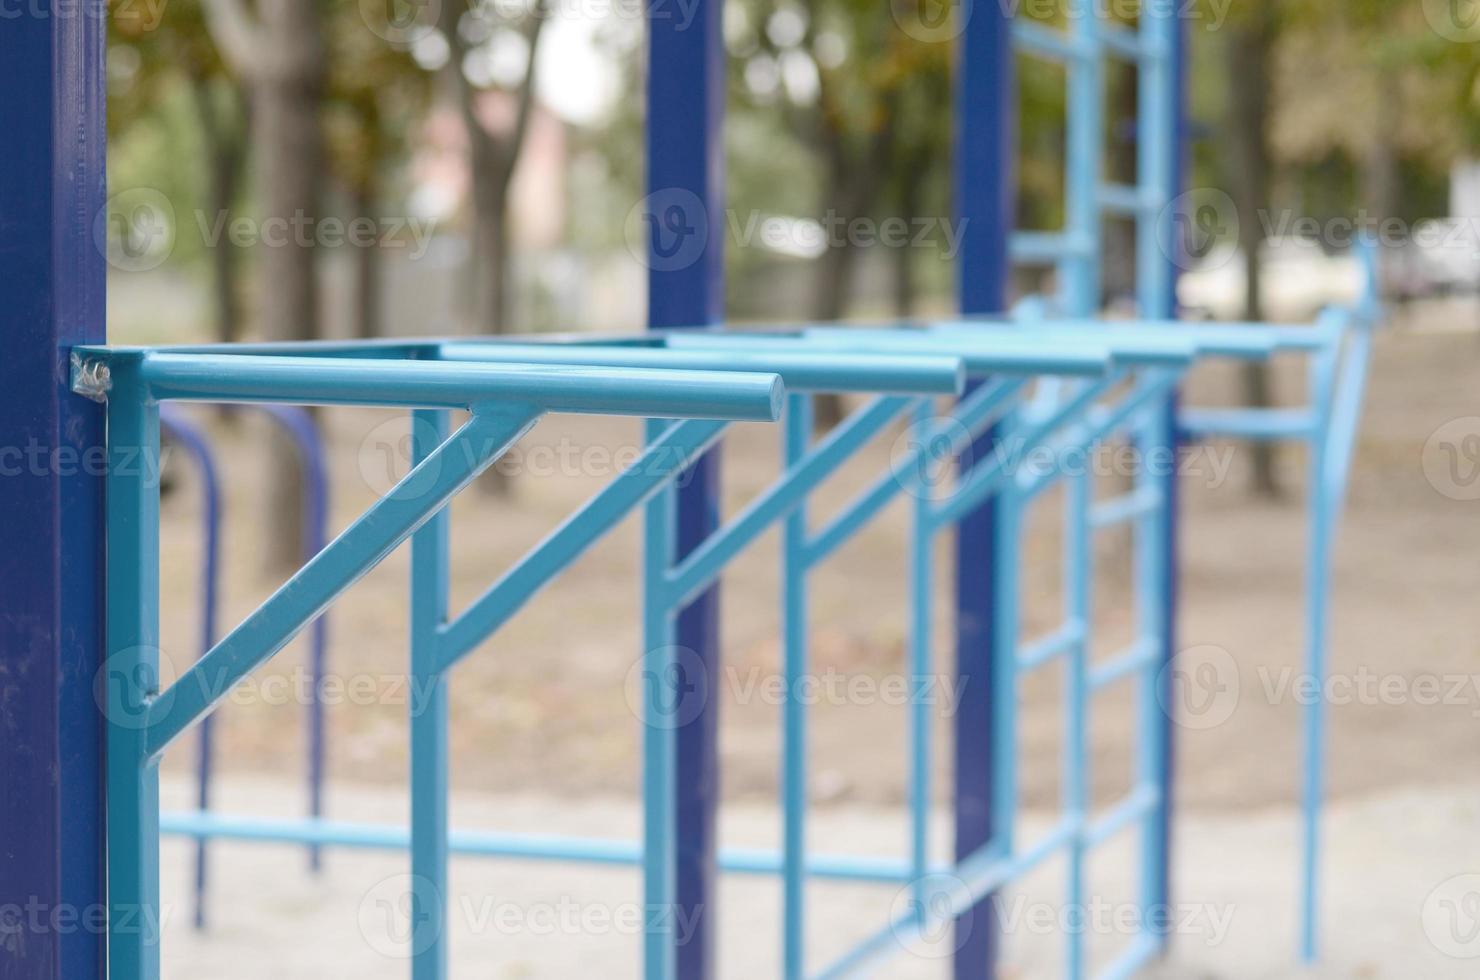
(1138, 804)
(788, 491)
(1139, 655)
(985, 357)
(1233, 339)
(1142, 949)
(1125, 43)
(1036, 248)
(1054, 645)
(1126, 507)
(1046, 42)
(1259, 424)
(1127, 199)
(801, 371)
(643, 392)
(1127, 349)
(665, 456)
(524, 847)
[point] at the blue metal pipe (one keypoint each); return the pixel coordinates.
(678, 446)
(306, 594)
(643, 392)
(193, 438)
(833, 372)
(304, 431)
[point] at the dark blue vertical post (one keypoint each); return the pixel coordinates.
(684, 216)
(1169, 489)
(985, 110)
(51, 642)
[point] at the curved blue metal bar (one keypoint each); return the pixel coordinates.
(194, 440)
(304, 431)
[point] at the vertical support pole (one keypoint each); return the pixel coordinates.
(922, 590)
(985, 145)
(684, 214)
(662, 711)
(1081, 279)
(1320, 508)
(1162, 166)
(51, 570)
(794, 569)
(1080, 272)
(131, 681)
(429, 821)
(1079, 568)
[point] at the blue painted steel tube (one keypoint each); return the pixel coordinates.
(785, 494)
(193, 438)
(685, 214)
(971, 416)
(54, 202)
(666, 699)
(864, 869)
(675, 448)
(921, 656)
(794, 623)
(644, 392)
(1079, 568)
(430, 562)
(306, 594)
(301, 428)
(804, 371)
(1160, 162)
(985, 142)
(1121, 349)
(1015, 356)
(131, 680)
(983, 479)
(1321, 508)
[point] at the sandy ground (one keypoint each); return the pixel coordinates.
(542, 722)
(1394, 861)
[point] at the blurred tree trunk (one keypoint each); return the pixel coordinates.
(225, 133)
(492, 158)
(365, 194)
(854, 183)
(1250, 45)
(279, 55)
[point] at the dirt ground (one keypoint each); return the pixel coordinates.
(543, 708)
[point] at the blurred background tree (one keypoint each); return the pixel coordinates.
(838, 115)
